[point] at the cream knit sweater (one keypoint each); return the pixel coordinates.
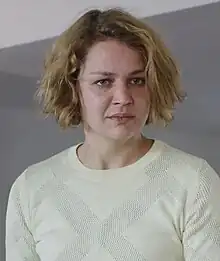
(165, 207)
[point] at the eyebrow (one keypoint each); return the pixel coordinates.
(105, 73)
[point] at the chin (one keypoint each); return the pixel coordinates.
(122, 134)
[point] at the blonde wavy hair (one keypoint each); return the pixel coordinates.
(57, 91)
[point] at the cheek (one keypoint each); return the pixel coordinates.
(143, 100)
(95, 106)
(142, 108)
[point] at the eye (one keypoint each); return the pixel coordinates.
(140, 81)
(103, 82)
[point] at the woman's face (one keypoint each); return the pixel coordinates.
(114, 94)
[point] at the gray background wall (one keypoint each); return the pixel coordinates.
(25, 137)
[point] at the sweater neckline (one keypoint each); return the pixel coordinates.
(141, 163)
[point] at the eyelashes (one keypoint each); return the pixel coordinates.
(108, 82)
(103, 82)
(138, 81)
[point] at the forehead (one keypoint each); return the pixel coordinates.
(112, 56)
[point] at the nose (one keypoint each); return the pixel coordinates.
(122, 95)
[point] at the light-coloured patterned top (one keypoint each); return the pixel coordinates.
(164, 207)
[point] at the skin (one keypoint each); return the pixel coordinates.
(112, 82)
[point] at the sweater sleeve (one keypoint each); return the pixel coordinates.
(19, 242)
(201, 236)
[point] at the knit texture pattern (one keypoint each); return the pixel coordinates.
(165, 207)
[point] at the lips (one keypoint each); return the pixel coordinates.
(121, 115)
(121, 118)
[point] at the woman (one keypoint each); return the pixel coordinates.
(118, 195)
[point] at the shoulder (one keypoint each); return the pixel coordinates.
(190, 171)
(37, 175)
(177, 157)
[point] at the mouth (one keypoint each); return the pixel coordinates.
(121, 118)
(121, 115)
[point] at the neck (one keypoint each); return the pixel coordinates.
(100, 153)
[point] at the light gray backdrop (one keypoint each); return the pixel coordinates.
(25, 138)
